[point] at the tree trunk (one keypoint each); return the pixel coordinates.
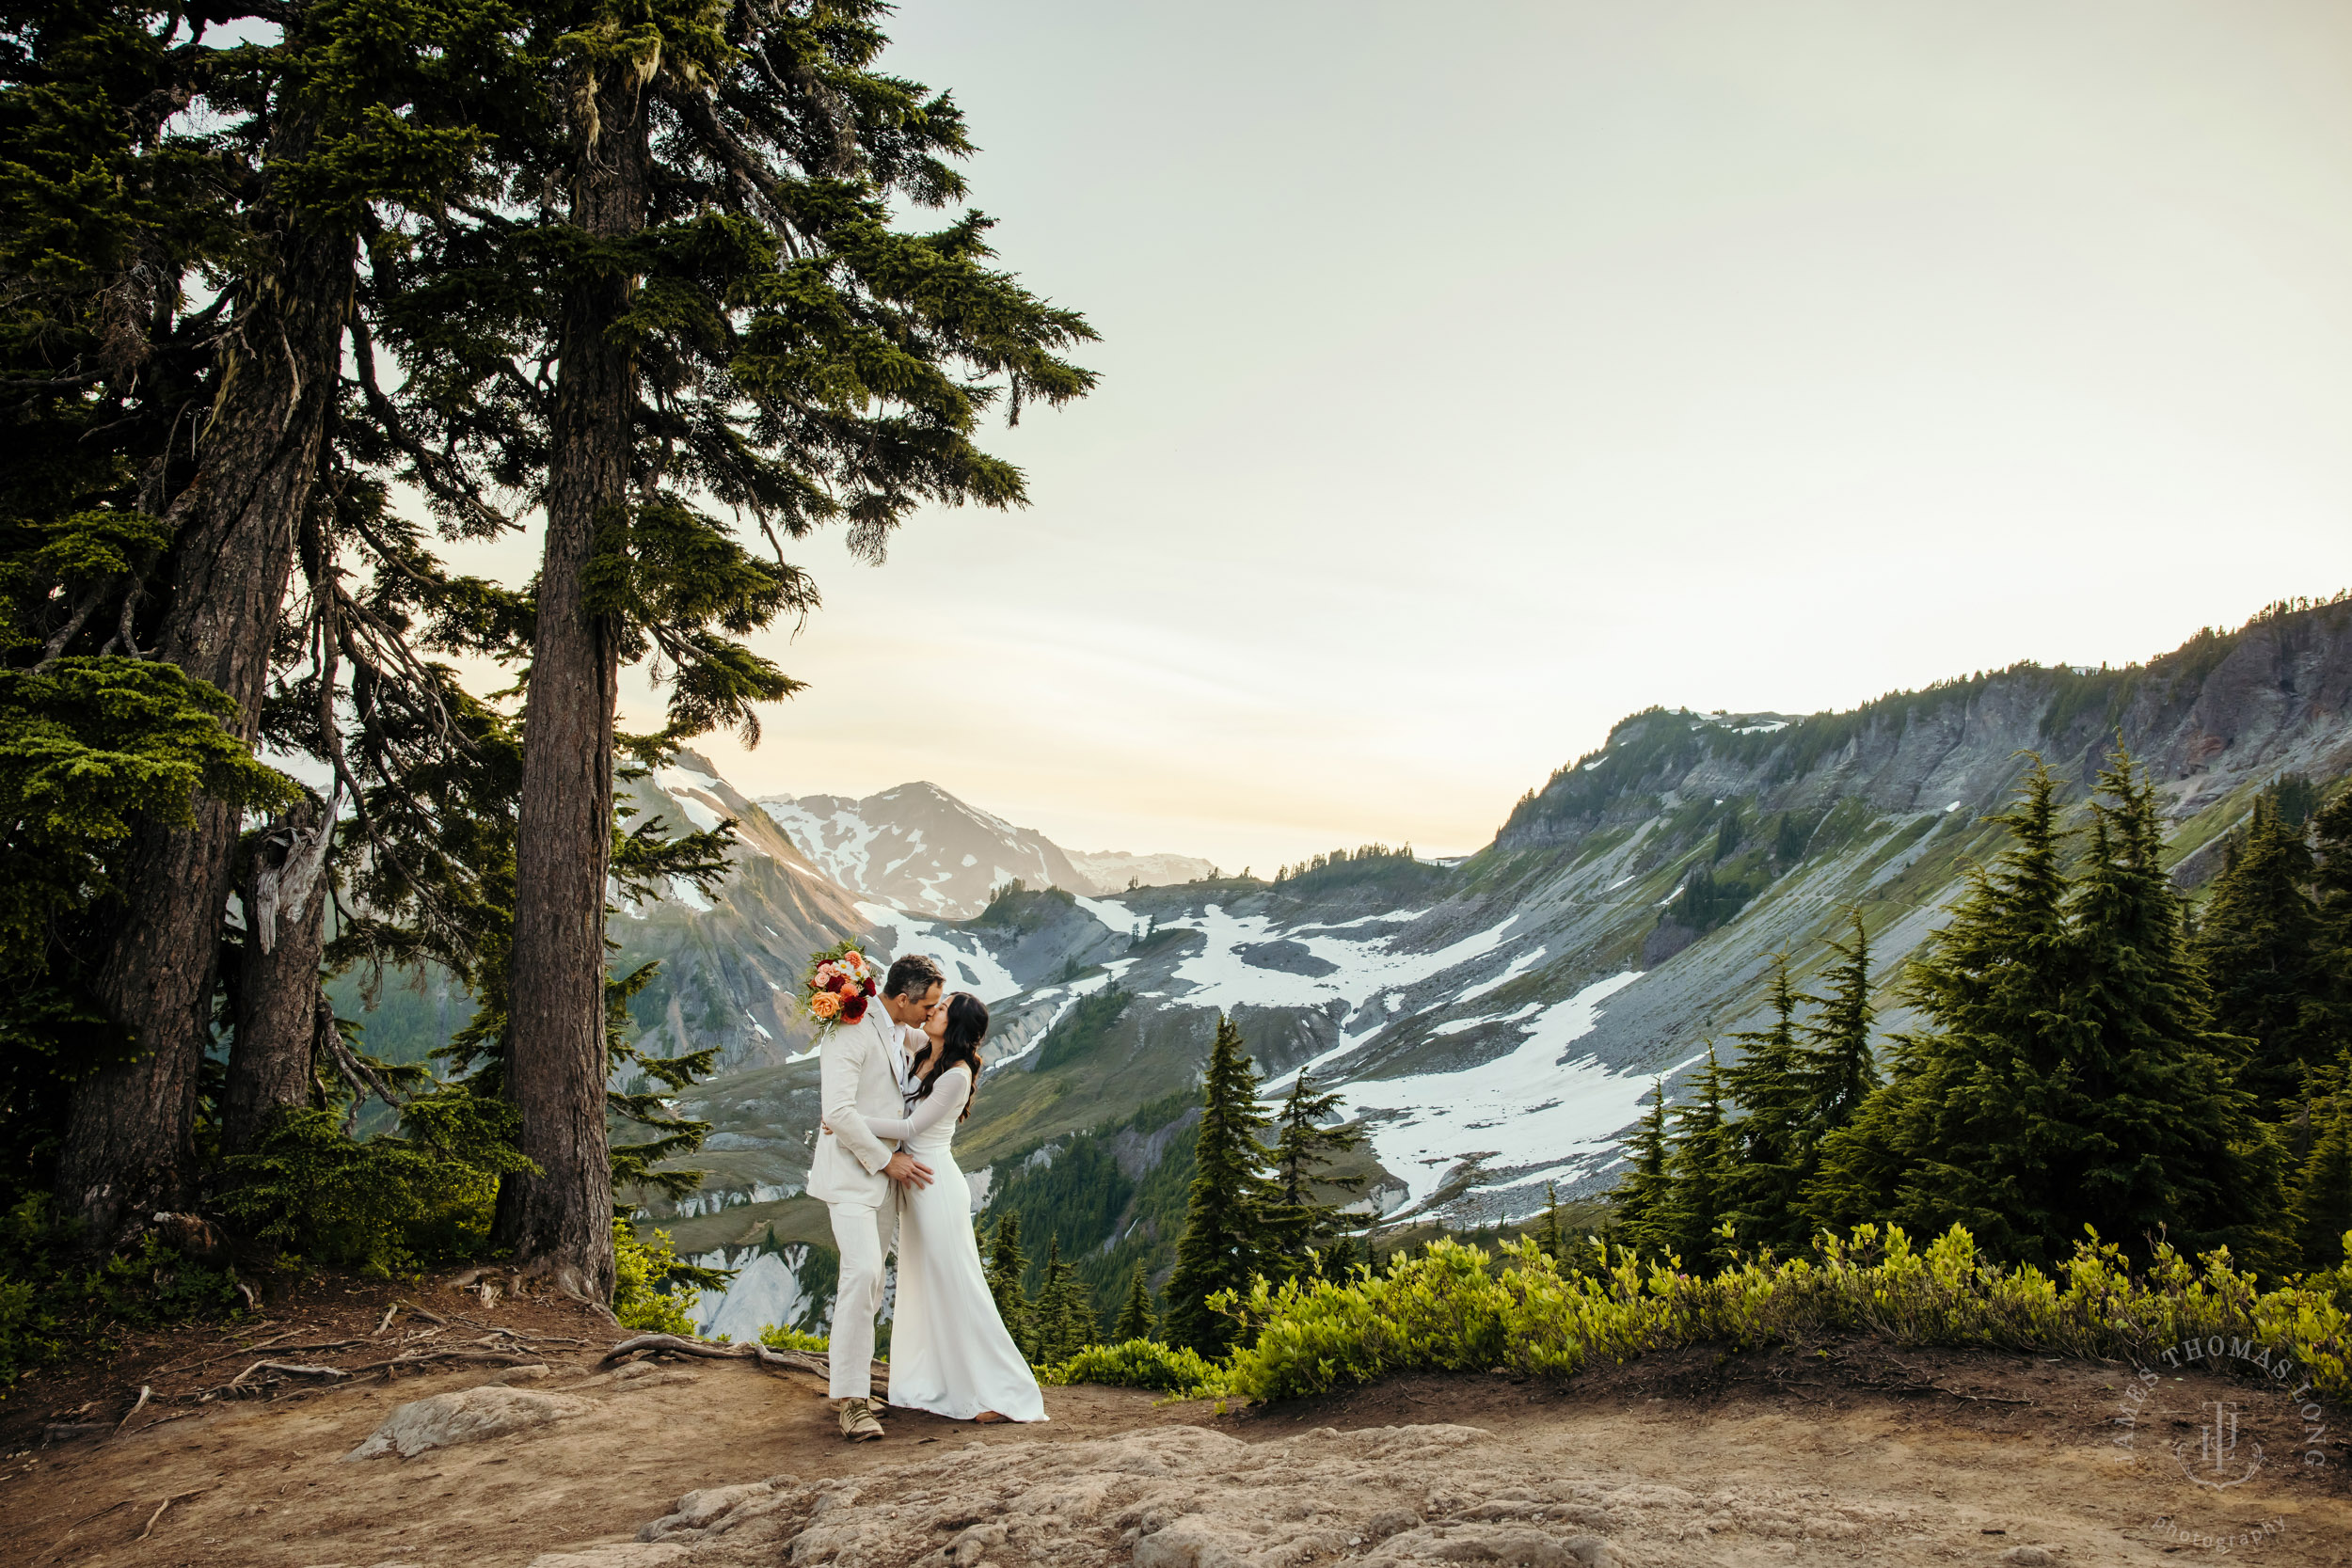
(559, 1221)
(277, 1002)
(129, 1148)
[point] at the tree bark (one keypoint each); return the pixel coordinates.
(130, 1146)
(278, 999)
(559, 1221)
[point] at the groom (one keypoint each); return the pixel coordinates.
(862, 1073)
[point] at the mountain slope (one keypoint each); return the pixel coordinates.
(919, 848)
(1493, 1024)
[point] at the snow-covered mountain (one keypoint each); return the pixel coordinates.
(919, 848)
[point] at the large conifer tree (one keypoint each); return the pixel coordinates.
(182, 284)
(1226, 1237)
(691, 297)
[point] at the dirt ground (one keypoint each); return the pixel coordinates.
(1846, 1452)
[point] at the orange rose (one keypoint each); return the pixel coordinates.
(824, 1003)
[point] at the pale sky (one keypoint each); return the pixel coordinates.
(1476, 375)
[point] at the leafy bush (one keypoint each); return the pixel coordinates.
(390, 1205)
(1447, 1309)
(1179, 1370)
(49, 1305)
(782, 1336)
(646, 1295)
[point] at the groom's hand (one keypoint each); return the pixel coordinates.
(905, 1167)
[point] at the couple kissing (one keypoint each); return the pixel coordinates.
(895, 1082)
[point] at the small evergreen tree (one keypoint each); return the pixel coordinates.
(1136, 1321)
(1337, 1262)
(1549, 1234)
(2261, 942)
(1773, 1138)
(1227, 1236)
(1066, 1322)
(2323, 1188)
(1006, 1263)
(1701, 1171)
(1839, 1069)
(1301, 1152)
(1638, 1204)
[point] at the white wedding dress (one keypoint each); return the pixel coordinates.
(949, 1353)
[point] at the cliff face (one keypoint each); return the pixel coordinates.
(2224, 708)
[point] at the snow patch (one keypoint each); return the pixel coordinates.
(968, 965)
(1531, 1108)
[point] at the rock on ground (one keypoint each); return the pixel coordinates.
(467, 1416)
(1417, 1496)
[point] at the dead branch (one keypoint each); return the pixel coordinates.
(502, 1358)
(146, 1391)
(1980, 1399)
(290, 1369)
(241, 1350)
(167, 1420)
(428, 1317)
(175, 1497)
(386, 1323)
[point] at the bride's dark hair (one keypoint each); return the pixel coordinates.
(960, 1044)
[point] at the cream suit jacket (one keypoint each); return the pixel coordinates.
(857, 1077)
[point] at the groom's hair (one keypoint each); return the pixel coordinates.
(912, 975)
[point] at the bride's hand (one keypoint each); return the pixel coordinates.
(826, 1128)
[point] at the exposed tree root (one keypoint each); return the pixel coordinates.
(797, 1360)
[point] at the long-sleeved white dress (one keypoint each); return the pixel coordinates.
(949, 1353)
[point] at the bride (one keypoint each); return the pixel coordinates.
(949, 1353)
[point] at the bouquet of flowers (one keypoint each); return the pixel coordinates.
(839, 986)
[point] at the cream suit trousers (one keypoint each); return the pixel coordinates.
(863, 1234)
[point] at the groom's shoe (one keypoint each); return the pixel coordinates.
(857, 1421)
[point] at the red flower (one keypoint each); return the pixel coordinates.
(869, 988)
(853, 1009)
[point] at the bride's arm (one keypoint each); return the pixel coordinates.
(945, 1099)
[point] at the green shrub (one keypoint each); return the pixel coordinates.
(644, 1295)
(395, 1204)
(783, 1336)
(1180, 1370)
(51, 1305)
(1451, 1308)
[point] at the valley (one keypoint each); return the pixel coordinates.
(1493, 1024)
